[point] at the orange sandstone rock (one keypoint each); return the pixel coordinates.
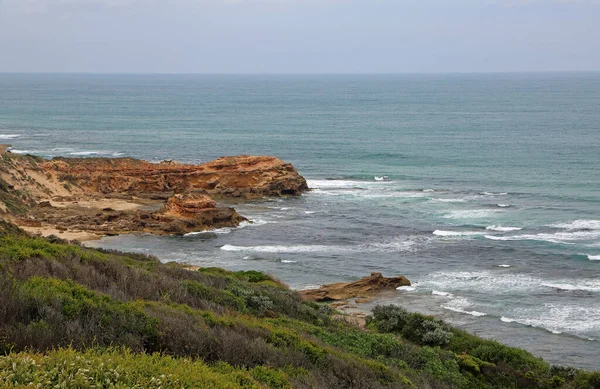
(365, 287)
(226, 177)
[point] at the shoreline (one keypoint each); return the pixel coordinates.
(84, 197)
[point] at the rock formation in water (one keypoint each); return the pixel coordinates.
(368, 286)
(123, 195)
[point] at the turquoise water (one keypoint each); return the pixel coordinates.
(491, 204)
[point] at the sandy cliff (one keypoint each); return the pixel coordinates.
(123, 195)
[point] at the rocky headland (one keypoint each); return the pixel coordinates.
(83, 198)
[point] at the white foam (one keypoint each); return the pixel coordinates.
(456, 233)
(582, 224)
(440, 200)
(224, 230)
(288, 261)
(382, 178)
(504, 266)
(581, 285)
(9, 136)
(334, 184)
(406, 288)
(498, 283)
(308, 286)
(504, 205)
(444, 294)
(428, 190)
(593, 257)
(507, 319)
(502, 229)
(399, 245)
(559, 318)
(494, 194)
(310, 212)
(85, 153)
(368, 193)
(470, 214)
(255, 223)
(15, 151)
(559, 237)
(460, 305)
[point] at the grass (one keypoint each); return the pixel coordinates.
(77, 317)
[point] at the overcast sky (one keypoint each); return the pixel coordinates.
(299, 36)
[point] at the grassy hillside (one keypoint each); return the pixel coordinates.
(77, 317)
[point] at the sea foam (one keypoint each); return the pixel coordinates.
(456, 233)
(9, 136)
(502, 229)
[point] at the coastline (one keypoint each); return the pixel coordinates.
(82, 198)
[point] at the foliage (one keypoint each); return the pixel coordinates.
(79, 317)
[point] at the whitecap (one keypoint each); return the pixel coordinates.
(507, 319)
(288, 261)
(382, 178)
(334, 184)
(223, 230)
(15, 151)
(560, 318)
(310, 212)
(444, 294)
(504, 205)
(9, 136)
(440, 200)
(593, 257)
(456, 233)
(407, 288)
(494, 282)
(503, 266)
(470, 214)
(255, 222)
(460, 305)
(502, 229)
(582, 224)
(582, 285)
(308, 286)
(398, 245)
(559, 237)
(494, 194)
(85, 153)
(284, 249)
(428, 190)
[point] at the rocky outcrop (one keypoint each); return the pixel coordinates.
(189, 205)
(227, 177)
(365, 287)
(123, 195)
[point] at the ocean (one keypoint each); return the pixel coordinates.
(483, 189)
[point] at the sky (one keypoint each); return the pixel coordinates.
(299, 36)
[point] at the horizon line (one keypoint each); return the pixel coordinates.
(302, 74)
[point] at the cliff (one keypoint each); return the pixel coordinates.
(75, 196)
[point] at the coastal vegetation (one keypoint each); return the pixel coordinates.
(79, 317)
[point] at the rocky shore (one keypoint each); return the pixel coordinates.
(83, 198)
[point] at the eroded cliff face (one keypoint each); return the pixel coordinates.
(124, 195)
(227, 177)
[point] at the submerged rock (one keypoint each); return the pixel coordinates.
(365, 287)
